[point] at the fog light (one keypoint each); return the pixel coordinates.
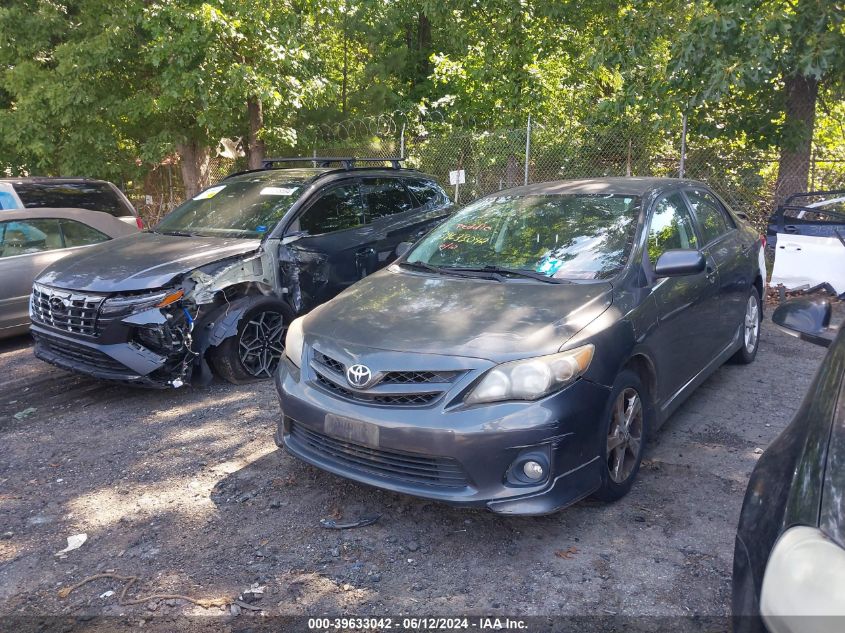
(533, 470)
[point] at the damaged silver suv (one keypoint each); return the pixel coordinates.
(217, 280)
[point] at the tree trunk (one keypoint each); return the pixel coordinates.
(797, 141)
(194, 163)
(423, 69)
(255, 149)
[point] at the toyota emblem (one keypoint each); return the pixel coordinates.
(58, 303)
(359, 375)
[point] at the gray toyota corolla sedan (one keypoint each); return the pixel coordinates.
(518, 356)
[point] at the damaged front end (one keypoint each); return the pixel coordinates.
(156, 338)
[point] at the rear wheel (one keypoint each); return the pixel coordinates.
(626, 428)
(750, 329)
(255, 351)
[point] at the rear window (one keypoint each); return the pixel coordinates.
(79, 195)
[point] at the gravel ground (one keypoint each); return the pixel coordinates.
(186, 490)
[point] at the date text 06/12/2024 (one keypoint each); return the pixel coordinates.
(417, 624)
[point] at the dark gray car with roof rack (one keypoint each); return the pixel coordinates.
(218, 280)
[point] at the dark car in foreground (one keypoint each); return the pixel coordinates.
(76, 193)
(31, 239)
(518, 356)
(789, 556)
(220, 278)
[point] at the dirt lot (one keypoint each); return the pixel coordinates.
(186, 490)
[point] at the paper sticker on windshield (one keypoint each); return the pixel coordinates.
(278, 191)
(209, 193)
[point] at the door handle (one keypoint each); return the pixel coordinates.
(790, 228)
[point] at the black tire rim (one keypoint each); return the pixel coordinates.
(262, 344)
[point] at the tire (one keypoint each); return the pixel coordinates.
(748, 352)
(254, 352)
(616, 481)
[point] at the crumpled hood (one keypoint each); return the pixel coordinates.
(142, 261)
(420, 313)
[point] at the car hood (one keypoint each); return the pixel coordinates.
(438, 314)
(139, 262)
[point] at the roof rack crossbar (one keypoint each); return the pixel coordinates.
(788, 203)
(348, 162)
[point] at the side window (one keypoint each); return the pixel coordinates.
(670, 228)
(385, 196)
(19, 237)
(425, 192)
(335, 210)
(710, 215)
(78, 234)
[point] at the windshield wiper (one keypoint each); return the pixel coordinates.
(450, 270)
(518, 272)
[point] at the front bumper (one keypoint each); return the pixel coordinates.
(114, 356)
(465, 456)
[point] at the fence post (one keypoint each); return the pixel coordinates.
(402, 142)
(683, 145)
(813, 169)
(527, 147)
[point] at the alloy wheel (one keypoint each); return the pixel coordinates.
(752, 323)
(625, 436)
(262, 344)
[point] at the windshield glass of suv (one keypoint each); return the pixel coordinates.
(575, 236)
(247, 208)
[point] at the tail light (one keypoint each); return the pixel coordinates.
(763, 241)
(139, 222)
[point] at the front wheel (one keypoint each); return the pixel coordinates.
(750, 329)
(626, 429)
(255, 351)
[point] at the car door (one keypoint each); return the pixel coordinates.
(26, 248)
(329, 243)
(732, 256)
(688, 306)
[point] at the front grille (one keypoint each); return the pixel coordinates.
(328, 361)
(330, 373)
(66, 310)
(82, 355)
(417, 377)
(410, 468)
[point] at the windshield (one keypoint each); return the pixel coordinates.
(246, 208)
(576, 236)
(78, 195)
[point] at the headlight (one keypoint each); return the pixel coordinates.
(294, 341)
(804, 580)
(532, 378)
(130, 304)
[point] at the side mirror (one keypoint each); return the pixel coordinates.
(742, 215)
(808, 319)
(680, 262)
(293, 236)
(402, 248)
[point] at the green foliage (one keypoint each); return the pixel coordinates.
(110, 87)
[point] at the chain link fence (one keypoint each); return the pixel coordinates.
(493, 160)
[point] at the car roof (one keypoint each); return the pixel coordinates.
(51, 179)
(100, 220)
(306, 174)
(619, 185)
